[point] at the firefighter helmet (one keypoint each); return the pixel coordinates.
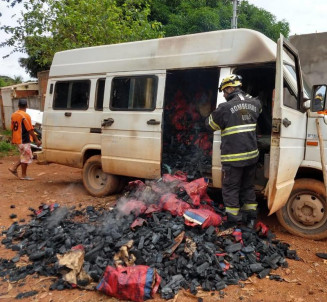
(319, 96)
(233, 80)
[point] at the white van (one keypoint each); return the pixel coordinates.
(137, 109)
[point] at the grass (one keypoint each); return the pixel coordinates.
(5, 132)
(6, 148)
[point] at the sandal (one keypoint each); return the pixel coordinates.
(13, 172)
(26, 178)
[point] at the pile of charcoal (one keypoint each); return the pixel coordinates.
(184, 256)
(195, 161)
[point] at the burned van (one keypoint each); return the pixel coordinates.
(138, 109)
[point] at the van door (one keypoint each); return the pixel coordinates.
(131, 127)
(289, 126)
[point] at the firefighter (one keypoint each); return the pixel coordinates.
(237, 120)
(318, 103)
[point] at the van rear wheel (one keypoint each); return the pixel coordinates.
(305, 213)
(97, 182)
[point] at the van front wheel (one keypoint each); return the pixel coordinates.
(95, 181)
(305, 213)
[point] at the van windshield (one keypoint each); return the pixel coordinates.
(306, 87)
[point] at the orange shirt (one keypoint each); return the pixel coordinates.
(20, 125)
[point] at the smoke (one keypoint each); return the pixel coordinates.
(137, 198)
(58, 215)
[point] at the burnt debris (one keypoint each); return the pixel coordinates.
(184, 256)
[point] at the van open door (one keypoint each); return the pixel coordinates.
(288, 126)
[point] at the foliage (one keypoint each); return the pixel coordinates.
(6, 147)
(6, 133)
(7, 81)
(48, 26)
(259, 19)
(180, 17)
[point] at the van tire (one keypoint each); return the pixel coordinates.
(307, 201)
(122, 184)
(97, 182)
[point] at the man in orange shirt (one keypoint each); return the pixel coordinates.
(22, 129)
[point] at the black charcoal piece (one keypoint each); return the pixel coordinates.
(256, 267)
(276, 277)
(207, 285)
(26, 294)
(264, 273)
(141, 243)
(233, 248)
(291, 254)
(37, 255)
(247, 249)
(15, 259)
(201, 268)
(210, 230)
(155, 238)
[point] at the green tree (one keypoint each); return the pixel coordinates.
(48, 26)
(191, 16)
(261, 20)
(7, 81)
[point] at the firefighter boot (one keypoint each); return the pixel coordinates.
(233, 221)
(249, 218)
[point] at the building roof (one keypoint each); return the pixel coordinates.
(22, 86)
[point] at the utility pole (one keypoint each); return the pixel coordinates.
(234, 18)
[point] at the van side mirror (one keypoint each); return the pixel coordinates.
(318, 102)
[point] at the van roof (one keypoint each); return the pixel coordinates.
(215, 48)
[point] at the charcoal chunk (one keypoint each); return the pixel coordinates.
(256, 267)
(233, 247)
(26, 294)
(37, 255)
(264, 273)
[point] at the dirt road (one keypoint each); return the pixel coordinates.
(305, 280)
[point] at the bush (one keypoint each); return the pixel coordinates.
(6, 147)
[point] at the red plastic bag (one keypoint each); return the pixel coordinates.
(203, 217)
(137, 222)
(196, 189)
(261, 228)
(136, 283)
(178, 176)
(152, 208)
(132, 206)
(170, 202)
(136, 184)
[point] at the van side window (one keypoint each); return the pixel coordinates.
(134, 93)
(71, 95)
(290, 99)
(99, 94)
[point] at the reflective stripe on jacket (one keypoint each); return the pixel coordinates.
(237, 120)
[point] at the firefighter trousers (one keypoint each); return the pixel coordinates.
(238, 192)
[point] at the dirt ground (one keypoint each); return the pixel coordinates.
(305, 280)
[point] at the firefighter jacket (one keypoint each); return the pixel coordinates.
(237, 120)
